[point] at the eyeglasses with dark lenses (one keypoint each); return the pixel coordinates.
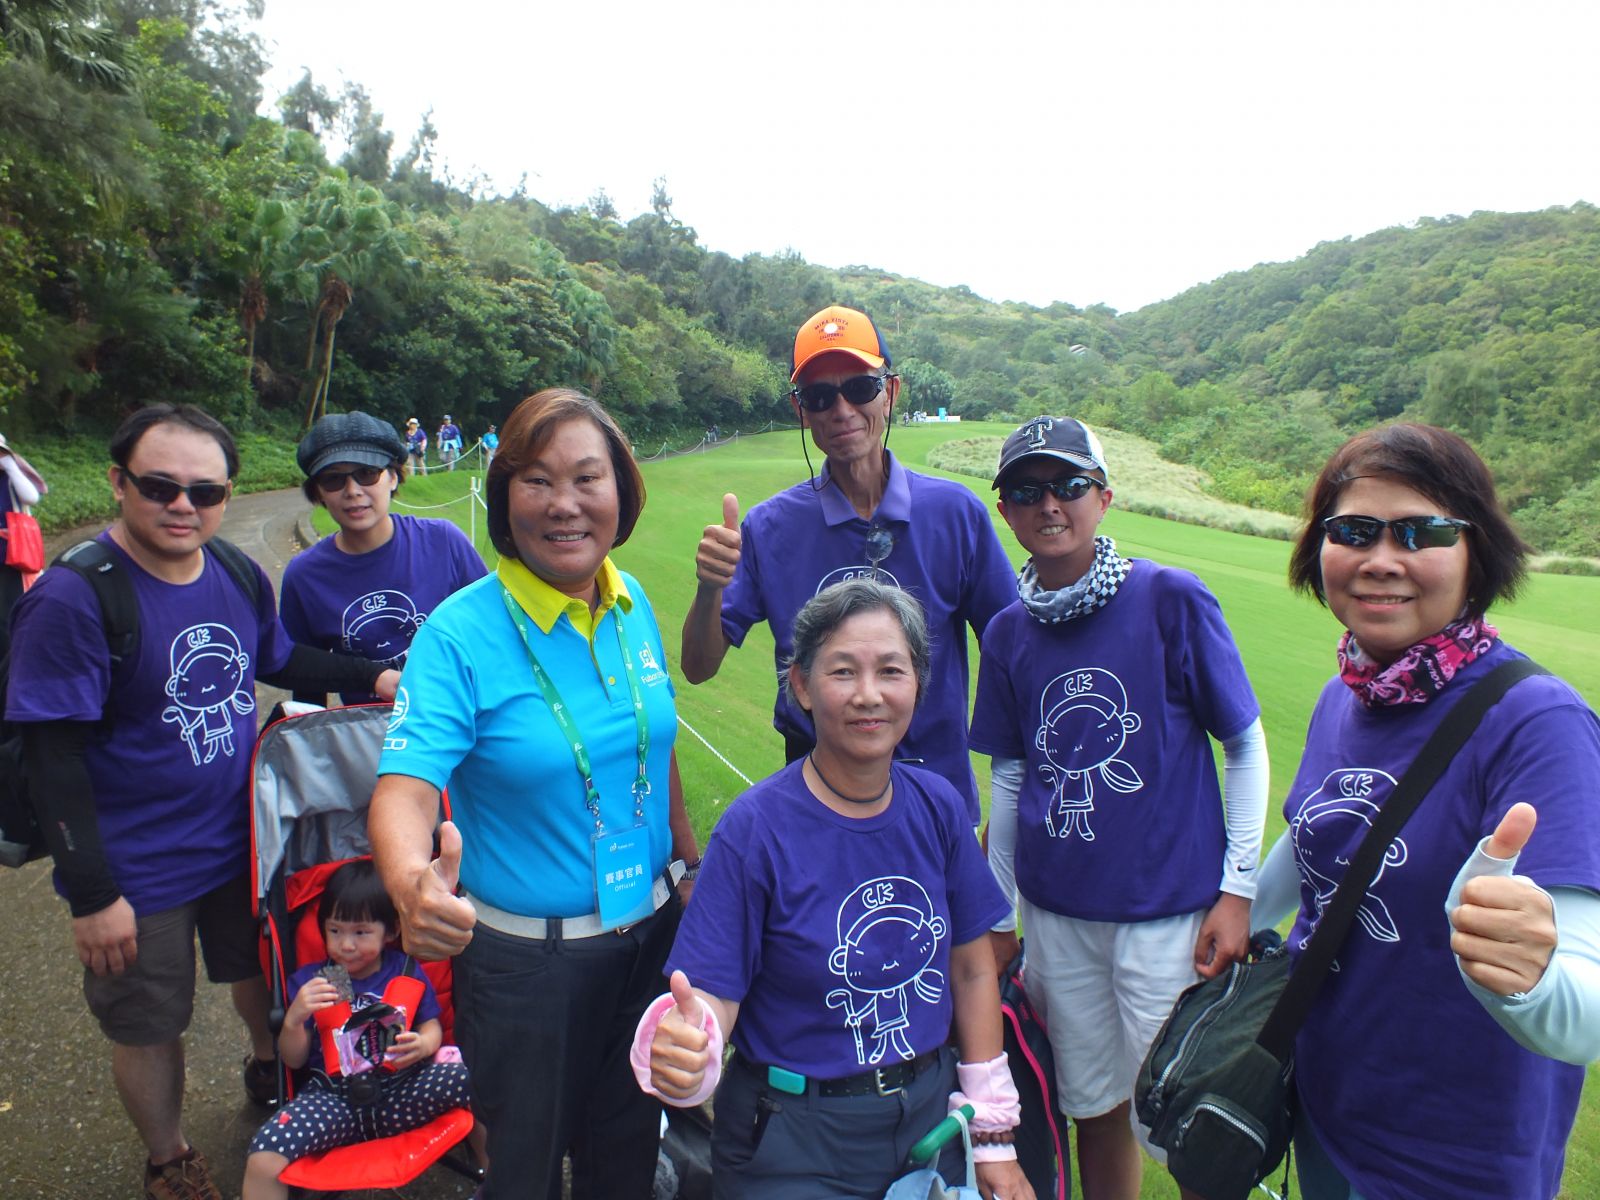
(1413, 533)
(161, 490)
(858, 389)
(1068, 489)
(334, 481)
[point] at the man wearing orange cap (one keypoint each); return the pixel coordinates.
(863, 514)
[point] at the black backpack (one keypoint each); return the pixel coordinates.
(20, 839)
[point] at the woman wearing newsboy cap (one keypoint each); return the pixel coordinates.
(367, 589)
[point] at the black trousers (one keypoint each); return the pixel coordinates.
(769, 1145)
(545, 1027)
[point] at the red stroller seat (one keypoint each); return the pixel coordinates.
(311, 781)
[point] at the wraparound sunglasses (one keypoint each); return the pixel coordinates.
(858, 389)
(161, 490)
(1066, 489)
(1413, 533)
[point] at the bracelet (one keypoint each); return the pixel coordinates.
(999, 1137)
(691, 870)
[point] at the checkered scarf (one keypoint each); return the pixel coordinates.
(1093, 591)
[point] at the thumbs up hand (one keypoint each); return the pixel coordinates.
(434, 921)
(1504, 927)
(679, 1051)
(448, 865)
(717, 556)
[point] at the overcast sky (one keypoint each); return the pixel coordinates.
(1118, 152)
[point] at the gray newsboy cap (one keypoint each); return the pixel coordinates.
(352, 437)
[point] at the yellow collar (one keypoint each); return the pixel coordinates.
(545, 605)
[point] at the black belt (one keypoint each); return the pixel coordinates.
(881, 1081)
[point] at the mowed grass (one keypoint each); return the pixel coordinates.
(1143, 481)
(1286, 640)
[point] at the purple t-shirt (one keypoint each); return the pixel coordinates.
(834, 933)
(368, 991)
(171, 781)
(1119, 817)
(371, 605)
(947, 555)
(1411, 1086)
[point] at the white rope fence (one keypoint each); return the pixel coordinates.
(474, 490)
(709, 442)
(461, 460)
(717, 754)
(475, 493)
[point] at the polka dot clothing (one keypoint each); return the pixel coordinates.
(320, 1117)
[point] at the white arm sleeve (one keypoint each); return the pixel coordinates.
(1560, 1017)
(22, 489)
(1277, 887)
(1244, 805)
(1005, 776)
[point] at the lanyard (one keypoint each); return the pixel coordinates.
(569, 727)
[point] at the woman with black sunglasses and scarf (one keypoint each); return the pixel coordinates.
(367, 589)
(1439, 1058)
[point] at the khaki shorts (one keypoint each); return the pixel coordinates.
(1104, 990)
(152, 1002)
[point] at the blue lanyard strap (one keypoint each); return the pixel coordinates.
(569, 727)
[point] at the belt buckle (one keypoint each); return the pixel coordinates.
(878, 1084)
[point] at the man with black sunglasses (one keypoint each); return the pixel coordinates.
(137, 757)
(864, 514)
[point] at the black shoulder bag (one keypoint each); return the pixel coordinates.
(1216, 1090)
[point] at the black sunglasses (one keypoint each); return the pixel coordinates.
(1067, 488)
(334, 481)
(858, 389)
(161, 490)
(1414, 533)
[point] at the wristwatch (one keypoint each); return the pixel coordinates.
(691, 870)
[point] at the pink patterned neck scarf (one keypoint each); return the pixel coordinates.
(1420, 673)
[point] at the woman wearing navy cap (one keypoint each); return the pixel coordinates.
(367, 589)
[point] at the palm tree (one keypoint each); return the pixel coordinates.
(260, 249)
(70, 38)
(345, 237)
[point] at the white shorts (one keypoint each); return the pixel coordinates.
(1103, 990)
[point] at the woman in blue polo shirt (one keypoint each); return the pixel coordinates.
(839, 937)
(538, 696)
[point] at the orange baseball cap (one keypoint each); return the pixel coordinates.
(838, 328)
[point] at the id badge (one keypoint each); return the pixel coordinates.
(622, 877)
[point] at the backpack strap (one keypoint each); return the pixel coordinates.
(97, 565)
(239, 566)
(1314, 963)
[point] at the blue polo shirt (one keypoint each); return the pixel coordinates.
(469, 717)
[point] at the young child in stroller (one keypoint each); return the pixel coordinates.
(339, 1104)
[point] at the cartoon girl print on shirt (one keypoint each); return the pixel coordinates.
(1328, 829)
(380, 625)
(1084, 723)
(888, 936)
(206, 681)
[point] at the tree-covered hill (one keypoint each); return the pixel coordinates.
(161, 239)
(1488, 324)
